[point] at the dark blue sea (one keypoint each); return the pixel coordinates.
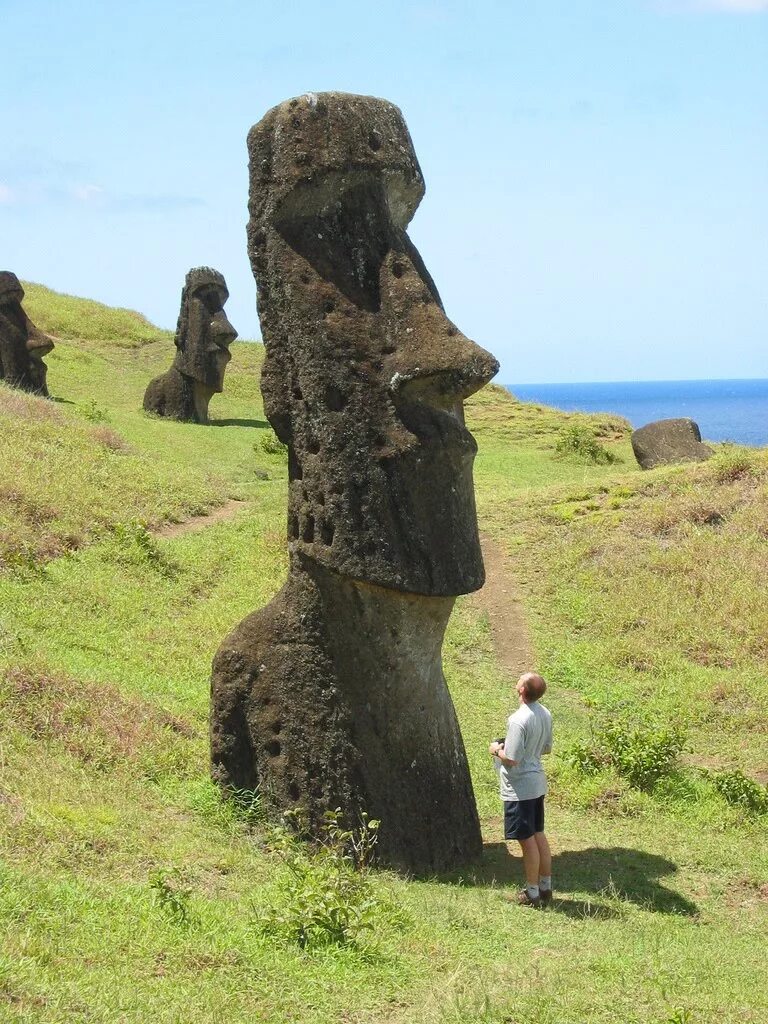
(726, 410)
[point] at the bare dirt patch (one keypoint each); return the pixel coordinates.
(217, 515)
(501, 600)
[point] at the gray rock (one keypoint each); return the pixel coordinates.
(667, 441)
(333, 695)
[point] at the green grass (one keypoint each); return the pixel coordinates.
(644, 590)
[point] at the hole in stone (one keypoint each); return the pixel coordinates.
(277, 725)
(296, 121)
(313, 446)
(387, 350)
(452, 331)
(398, 269)
(326, 532)
(335, 399)
(320, 498)
(293, 103)
(273, 748)
(293, 790)
(426, 298)
(304, 278)
(293, 527)
(298, 394)
(328, 307)
(308, 533)
(374, 141)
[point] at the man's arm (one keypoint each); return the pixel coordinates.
(497, 749)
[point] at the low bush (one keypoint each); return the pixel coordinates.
(328, 896)
(738, 789)
(578, 441)
(272, 445)
(642, 754)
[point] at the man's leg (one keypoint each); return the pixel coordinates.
(531, 862)
(545, 867)
(545, 854)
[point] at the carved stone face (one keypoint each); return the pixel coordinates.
(204, 333)
(22, 345)
(365, 375)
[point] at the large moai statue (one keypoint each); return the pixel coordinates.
(203, 337)
(22, 345)
(334, 695)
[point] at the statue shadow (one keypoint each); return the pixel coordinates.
(60, 401)
(238, 423)
(609, 872)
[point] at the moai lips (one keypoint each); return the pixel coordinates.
(333, 695)
(203, 337)
(22, 345)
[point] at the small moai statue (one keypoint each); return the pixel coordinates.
(22, 345)
(203, 337)
(333, 695)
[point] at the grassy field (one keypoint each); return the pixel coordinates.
(129, 892)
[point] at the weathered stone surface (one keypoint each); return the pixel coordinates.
(666, 441)
(203, 337)
(333, 695)
(22, 345)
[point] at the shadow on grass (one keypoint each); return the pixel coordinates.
(608, 872)
(238, 423)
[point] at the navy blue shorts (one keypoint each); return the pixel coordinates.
(523, 817)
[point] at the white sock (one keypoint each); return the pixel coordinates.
(533, 891)
(545, 882)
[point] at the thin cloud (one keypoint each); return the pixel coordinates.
(6, 194)
(724, 6)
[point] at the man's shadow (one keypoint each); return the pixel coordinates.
(608, 872)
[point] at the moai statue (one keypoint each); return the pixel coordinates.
(334, 695)
(22, 345)
(203, 337)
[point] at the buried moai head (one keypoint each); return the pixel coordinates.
(203, 332)
(203, 337)
(365, 376)
(22, 345)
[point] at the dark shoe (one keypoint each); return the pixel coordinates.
(545, 896)
(524, 900)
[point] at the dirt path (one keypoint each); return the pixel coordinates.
(500, 598)
(216, 515)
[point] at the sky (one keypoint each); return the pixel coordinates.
(597, 170)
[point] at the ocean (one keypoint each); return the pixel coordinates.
(725, 410)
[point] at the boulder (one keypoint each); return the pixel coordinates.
(667, 441)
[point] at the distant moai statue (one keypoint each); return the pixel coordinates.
(203, 337)
(333, 695)
(22, 345)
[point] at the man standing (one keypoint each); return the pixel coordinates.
(523, 786)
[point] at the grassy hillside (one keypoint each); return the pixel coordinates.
(128, 892)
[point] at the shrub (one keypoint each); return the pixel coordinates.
(578, 441)
(642, 754)
(738, 789)
(93, 412)
(328, 896)
(171, 894)
(272, 445)
(733, 463)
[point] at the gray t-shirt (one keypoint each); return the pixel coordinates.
(529, 735)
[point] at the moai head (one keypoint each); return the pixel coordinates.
(22, 345)
(203, 333)
(365, 376)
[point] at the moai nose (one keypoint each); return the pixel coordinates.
(428, 357)
(39, 344)
(222, 330)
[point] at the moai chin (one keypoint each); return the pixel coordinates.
(203, 337)
(22, 345)
(333, 695)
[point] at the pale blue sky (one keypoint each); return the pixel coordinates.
(597, 170)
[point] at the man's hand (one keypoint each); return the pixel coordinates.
(495, 748)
